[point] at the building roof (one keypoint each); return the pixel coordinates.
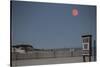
(22, 45)
(86, 35)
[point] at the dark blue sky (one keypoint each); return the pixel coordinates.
(46, 25)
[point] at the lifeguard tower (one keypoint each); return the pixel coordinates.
(86, 47)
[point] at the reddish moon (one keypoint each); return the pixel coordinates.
(74, 12)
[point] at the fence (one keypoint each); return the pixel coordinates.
(54, 53)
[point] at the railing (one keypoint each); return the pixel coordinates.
(47, 54)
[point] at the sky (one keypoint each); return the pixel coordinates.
(51, 25)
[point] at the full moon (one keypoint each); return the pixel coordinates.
(74, 12)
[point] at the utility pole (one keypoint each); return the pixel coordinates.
(95, 50)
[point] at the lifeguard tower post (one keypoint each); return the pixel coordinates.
(86, 47)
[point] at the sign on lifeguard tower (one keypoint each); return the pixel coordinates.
(87, 46)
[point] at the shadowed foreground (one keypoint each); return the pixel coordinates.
(47, 61)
